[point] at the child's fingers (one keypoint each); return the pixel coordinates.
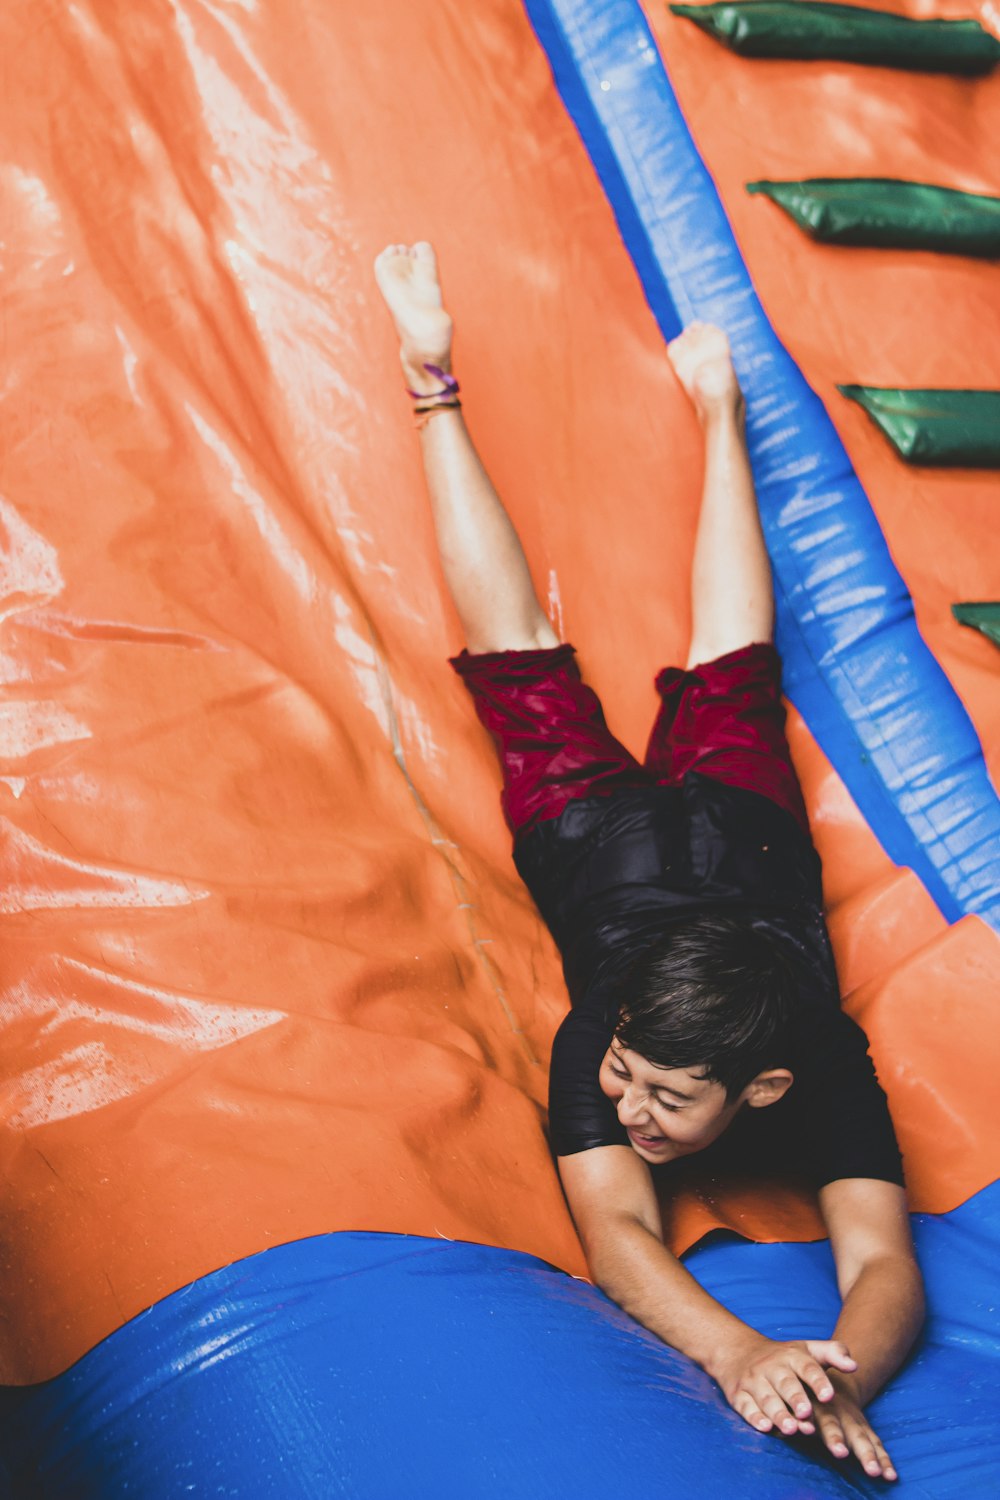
(746, 1407)
(832, 1352)
(791, 1391)
(869, 1451)
(776, 1408)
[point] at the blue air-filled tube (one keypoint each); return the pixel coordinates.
(388, 1367)
(855, 664)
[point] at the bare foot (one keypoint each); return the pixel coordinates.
(704, 367)
(407, 277)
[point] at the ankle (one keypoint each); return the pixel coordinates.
(722, 411)
(418, 378)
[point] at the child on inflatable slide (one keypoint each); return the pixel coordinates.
(684, 895)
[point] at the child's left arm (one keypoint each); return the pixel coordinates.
(883, 1306)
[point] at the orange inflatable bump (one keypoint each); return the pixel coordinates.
(268, 970)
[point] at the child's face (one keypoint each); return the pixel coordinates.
(668, 1112)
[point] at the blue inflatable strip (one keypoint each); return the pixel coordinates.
(856, 666)
(383, 1367)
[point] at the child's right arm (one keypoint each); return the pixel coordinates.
(770, 1385)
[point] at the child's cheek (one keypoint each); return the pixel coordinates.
(609, 1085)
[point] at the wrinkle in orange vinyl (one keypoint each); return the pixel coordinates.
(268, 970)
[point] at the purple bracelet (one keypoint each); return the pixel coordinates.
(451, 385)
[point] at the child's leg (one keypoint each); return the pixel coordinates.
(732, 600)
(484, 565)
(548, 726)
(725, 719)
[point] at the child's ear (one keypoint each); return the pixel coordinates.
(768, 1087)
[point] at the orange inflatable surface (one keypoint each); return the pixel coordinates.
(268, 969)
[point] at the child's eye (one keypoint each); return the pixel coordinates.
(619, 1072)
(673, 1108)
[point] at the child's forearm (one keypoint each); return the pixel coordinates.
(880, 1319)
(637, 1271)
(770, 1384)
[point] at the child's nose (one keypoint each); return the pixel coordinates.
(632, 1109)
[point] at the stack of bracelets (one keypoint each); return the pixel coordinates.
(427, 404)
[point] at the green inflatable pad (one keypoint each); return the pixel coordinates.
(984, 617)
(951, 429)
(884, 212)
(845, 33)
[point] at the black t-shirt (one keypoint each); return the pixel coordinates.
(609, 873)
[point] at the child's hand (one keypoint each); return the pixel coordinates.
(787, 1387)
(844, 1429)
(774, 1385)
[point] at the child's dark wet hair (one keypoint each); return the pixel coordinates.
(716, 992)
